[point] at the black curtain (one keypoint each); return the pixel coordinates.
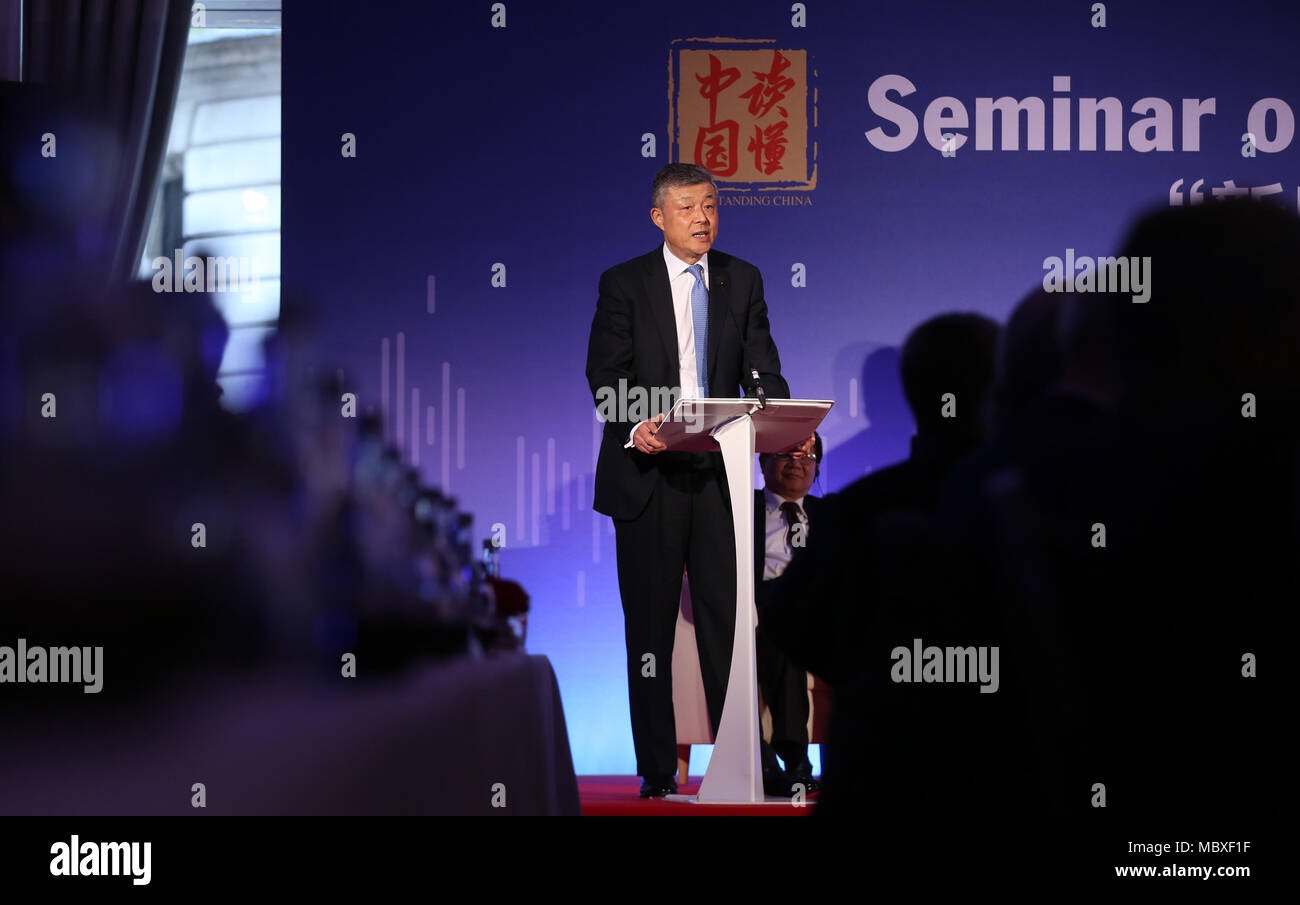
(10, 20)
(121, 58)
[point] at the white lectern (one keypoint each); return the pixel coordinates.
(739, 427)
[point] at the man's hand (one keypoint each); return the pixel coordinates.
(806, 447)
(645, 440)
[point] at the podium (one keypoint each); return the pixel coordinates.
(739, 428)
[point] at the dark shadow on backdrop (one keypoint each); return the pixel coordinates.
(886, 438)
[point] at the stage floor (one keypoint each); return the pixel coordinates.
(616, 796)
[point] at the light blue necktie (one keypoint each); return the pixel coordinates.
(700, 314)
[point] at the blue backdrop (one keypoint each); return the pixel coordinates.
(524, 146)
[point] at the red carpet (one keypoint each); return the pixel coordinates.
(616, 796)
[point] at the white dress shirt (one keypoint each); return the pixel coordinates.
(776, 552)
(681, 281)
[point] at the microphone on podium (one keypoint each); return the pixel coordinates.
(753, 372)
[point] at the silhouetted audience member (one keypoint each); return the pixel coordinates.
(1197, 488)
(190, 542)
(1132, 534)
(872, 577)
(1028, 357)
(1053, 388)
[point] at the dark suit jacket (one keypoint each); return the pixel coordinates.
(810, 504)
(819, 607)
(634, 338)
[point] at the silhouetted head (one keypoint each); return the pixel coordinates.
(950, 354)
(1028, 358)
(1224, 308)
(1085, 340)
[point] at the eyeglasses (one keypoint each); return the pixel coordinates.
(812, 457)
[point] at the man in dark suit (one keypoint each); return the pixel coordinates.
(783, 515)
(683, 319)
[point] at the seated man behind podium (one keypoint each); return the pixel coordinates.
(783, 511)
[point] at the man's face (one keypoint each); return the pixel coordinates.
(788, 478)
(689, 219)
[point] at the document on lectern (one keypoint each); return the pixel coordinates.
(781, 425)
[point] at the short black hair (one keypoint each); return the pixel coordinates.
(676, 174)
(1227, 293)
(950, 353)
(817, 451)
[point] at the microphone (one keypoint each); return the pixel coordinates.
(762, 399)
(753, 372)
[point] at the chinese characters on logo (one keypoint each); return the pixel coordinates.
(742, 113)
